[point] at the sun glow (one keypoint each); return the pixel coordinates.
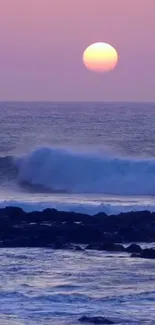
(100, 57)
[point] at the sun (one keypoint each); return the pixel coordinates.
(100, 57)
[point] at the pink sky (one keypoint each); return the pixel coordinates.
(42, 42)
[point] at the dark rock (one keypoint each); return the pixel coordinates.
(94, 246)
(145, 253)
(62, 244)
(133, 248)
(95, 320)
(13, 215)
(148, 253)
(119, 248)
(84, 234)
(77, 248)
(101, 232)
(135, 255)
(111, 247)
(108, 246)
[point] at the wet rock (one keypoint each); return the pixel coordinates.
(107, 246)
(100, 232)
(134, 255)
(13, 215)
(60, 245)
(93, 246)
(145, 253)
(77, 248)
(111, 247)
(84, 234)
(133, 248)
(119, 248)
(148, 253)
(95, 320)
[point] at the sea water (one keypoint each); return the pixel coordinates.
(85, 157)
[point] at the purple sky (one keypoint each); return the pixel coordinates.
(42, 42)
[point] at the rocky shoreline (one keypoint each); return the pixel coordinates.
(69, 230)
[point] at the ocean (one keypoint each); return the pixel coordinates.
(83, 157)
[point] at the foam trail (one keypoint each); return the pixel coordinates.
(71, 172)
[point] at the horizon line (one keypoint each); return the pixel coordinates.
(75, 101)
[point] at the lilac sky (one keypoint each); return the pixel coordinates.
(42, 42)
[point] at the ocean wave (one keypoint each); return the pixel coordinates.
(60, 170)
(73, 172)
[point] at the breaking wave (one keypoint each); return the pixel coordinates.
(61, 170)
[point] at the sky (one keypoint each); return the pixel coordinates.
(42, 43)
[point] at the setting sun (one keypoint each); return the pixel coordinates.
(100, 57)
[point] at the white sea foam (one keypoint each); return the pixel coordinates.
(87, 208)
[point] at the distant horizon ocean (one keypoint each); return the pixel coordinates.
(78, 156)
